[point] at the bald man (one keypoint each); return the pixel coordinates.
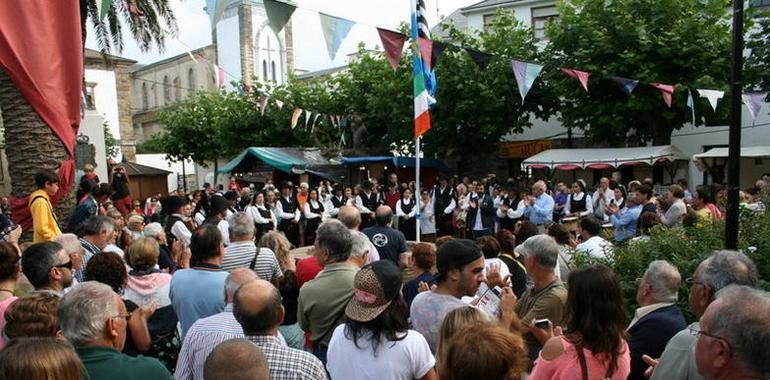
(390, 242)
(236, 359)
(257, 307)
(351, 218)
(206, 333)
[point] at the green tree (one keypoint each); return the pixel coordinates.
(110, 143)
(677, 42)
(758, 62)
(474, 109)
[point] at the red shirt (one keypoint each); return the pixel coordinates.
(307, 269)
(392, 198)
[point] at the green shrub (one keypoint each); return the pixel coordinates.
(685, 248)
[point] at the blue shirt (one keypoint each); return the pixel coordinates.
(542, 211)
(196, 294)
(624, 222)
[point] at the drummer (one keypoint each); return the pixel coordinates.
(578, 205)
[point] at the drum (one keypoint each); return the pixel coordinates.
(570, 223)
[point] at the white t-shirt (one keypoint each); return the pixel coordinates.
(406, 359)
(596, 246)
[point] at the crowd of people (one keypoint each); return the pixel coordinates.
(210, 285)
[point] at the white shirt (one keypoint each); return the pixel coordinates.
(309, 214)
(285, 215)
(427, 221)
(513, 213)
(644, 310)
(596, 246)
(224, 229)
(406, 359)
(253, 211)
(400, 212)
(477, 224)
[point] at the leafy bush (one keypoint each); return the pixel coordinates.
(685, 248)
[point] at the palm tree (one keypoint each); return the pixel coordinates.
(30, 144)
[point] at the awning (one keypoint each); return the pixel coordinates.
(746, 152)
(399, 162)
(288, 160)
(602, 158)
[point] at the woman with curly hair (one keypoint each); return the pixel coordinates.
(110, 269)
(594, 343)
(9, 271)
(483, 351)
(287, 286)
(35, 315)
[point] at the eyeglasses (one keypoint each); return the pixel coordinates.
(67, 265)
(697, 332)
(691, 281)
(125, 316)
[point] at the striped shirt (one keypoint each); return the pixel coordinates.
(239, 254)
(286, 363)
(203, 337)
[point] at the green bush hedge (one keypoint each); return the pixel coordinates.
(685, 248)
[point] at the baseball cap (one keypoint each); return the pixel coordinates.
(454, 254)
(374, 289)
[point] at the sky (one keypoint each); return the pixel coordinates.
(310, 48)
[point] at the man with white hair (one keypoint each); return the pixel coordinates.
(75, 250)
(94, 318)
(539, 207)
(359, 251)
(658, 318)
(207, 332)
(732, 338)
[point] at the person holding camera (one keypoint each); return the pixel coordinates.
(121, 198)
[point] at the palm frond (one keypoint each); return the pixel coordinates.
(148, 21)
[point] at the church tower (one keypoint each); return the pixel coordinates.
(248, 49)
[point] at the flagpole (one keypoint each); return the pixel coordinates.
(417, 189)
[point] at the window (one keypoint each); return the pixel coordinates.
(191, 81)
(540, 19)
(145, 98)
(272, 68)
(489, 20)
(759, 3)
(90, 96)
(264, 70)
(166, 90)
(177, 89)
(154, 98)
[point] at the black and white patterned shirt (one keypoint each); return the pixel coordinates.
(286, 363)
(240, 255)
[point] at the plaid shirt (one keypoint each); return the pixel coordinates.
(287, 363)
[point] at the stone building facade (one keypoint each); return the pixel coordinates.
(164, 82)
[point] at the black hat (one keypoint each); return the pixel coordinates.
(218, 205)
(454, 254)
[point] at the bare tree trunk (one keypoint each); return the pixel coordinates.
(31, 146)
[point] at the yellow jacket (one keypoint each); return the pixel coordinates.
(44, 223)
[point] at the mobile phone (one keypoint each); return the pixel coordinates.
(541, 323)
(490, 301)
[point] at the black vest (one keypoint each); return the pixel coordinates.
(288, 206)
(265, 214)
(407, 207)
(314, 210)
(578, 206)
(339, 203)
(371, 202)
(443, 198)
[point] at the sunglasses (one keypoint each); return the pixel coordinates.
(67, 265)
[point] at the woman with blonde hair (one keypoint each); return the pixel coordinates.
(456, 321)
(287, 286)
(40, 359)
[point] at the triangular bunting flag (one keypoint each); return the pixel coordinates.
(315, 119)
(295, 117)
(713, 96)
(581, 76)
(754, 101)
(218, 73)
(278, 14)
(627, 85)
(691, 106)
(339, 118)
(438, 50)
(525, 74)
(279, 104)
(102, 7)
(215, 9)
(335, 30)
(393, 44)
(307, 117)
(666, 90)
(426, 50)
(482, 59)
(263, 103)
